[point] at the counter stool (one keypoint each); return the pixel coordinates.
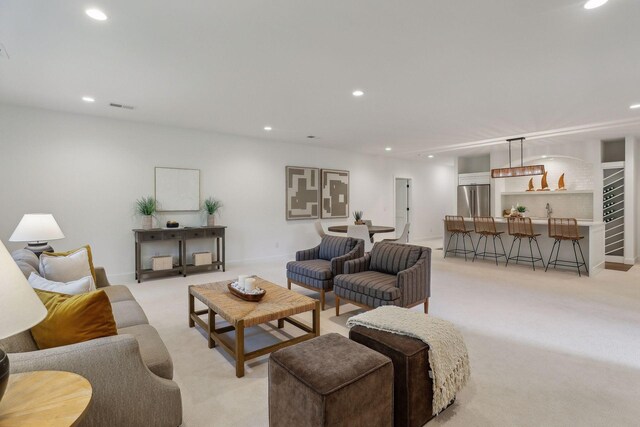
(566, 229)
(486, 226)
(522, 228)
(455, 226)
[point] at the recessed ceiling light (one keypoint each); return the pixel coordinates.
(431, 156)
(88, 99)
(387, 149)
(592, 4)
(96, 14)
(544, 157)
(268, 128)
(634, 106)
(358, 93)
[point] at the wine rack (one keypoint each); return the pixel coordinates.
(613, 209)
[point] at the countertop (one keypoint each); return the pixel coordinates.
(543, 221)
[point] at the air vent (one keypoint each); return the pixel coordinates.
(126, 107)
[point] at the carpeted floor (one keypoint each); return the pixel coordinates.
(546, 349)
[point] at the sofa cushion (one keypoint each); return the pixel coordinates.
(26, 268)
(19, 343)
(392, 258)
(67, 266)
(128, 313)
(73, 319)
(335, 246)
(74, 287)
(316, 268)
(118, 293)
(152, 349)
(25, 255)
(371, 283)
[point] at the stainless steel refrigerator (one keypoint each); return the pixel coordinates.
(474, 200)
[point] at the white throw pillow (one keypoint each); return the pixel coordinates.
(65, 268)
(75, 287)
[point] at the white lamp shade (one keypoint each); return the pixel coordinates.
(37, 228)
(20, 307)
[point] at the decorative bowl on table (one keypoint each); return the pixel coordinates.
(254, 296)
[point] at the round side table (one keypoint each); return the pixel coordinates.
(44, 398)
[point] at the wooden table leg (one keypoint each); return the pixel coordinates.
(211, 328)
(191, 310)
(280, 323)
(240, 349)
(316, 319)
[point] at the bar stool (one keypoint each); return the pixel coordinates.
(486, 226)
(455, 225)
(566, 229)
(521, 228)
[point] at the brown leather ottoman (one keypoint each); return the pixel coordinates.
(412, 386)
(330, 381)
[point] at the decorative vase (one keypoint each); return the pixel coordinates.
(211, 220)
(147, 222)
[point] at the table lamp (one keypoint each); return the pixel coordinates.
(37, 230)
(20, 307)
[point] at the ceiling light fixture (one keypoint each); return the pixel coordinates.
(88, 99)
(387, 149)
(592, 4)
(358, 93)
(268, 128)
(522, 170)
(96, 14)
(431, 156)
(634, 106)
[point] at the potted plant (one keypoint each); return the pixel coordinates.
(146, 207)
(211, 207)
(357, 215)
(521, 210)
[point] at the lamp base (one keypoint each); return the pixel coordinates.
(39, 247)
(4, 372)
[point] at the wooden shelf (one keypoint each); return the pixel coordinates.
(546, 193)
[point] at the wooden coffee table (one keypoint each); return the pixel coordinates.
(278, 304)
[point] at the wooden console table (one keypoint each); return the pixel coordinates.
(180, 236)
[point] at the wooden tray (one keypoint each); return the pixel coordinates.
(246, 297)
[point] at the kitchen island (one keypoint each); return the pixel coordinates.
(592, 245)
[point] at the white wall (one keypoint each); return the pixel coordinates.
(89, 171)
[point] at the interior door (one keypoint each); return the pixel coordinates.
(402, 204)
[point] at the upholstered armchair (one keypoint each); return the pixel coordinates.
(315, 268)
(391, 274)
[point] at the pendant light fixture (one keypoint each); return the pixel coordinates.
(521, 170)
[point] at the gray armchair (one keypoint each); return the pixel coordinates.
(315, 268)
(391, 274)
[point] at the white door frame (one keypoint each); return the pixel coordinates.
(409, 200)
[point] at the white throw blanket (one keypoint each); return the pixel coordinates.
(447, 351)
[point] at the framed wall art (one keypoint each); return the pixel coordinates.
(335, 193)
(303, 192)
(177, 189)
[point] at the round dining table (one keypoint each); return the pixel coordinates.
(373, 229)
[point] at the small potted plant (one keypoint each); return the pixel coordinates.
(146, 207)
(211, 207)
(521, 210)
(357, 215)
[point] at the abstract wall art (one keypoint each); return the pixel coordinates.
(303, 192)
(335, 193)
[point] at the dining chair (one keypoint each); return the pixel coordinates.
(360, 232)
(404, 237)
(319, 229)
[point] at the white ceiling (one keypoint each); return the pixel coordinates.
(435, 73)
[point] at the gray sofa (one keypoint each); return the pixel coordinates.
(391, 274)
(131, 373)
(315, 268)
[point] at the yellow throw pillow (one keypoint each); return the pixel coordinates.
(60, 276)
(73, 319)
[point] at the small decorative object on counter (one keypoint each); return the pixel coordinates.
(513, 211)
(212, 207)
(173, 224)
(146, 207)
(543, 183)
(561, 183)
(202, 258)
(357, 215)
(531, 185)
(521, 210)
(159, 263)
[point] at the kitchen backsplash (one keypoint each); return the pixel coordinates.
(563, 205)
